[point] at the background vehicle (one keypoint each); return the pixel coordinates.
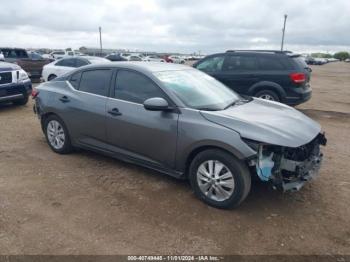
(321, 61)
(177, 59)
(31, 62)
(134, 58)
(182, 122)
(2, 58)
(153, 58)
(57, 54)
(167, 59)
(115, 58)
(65, 65)
(15, 85)
(272, 75)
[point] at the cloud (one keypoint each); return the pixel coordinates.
(176, 25)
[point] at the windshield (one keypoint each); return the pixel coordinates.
(198, 90)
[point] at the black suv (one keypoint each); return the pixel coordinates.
(274, 75)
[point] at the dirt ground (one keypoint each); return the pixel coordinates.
(86, 203)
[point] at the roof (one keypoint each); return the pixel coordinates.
(144, 66)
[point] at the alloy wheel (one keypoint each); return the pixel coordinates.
(215, 180)
(267, 97)
(55, 134)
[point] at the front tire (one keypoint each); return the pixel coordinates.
(57, 135)
(219, 179)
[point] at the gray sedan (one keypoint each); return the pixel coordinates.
(181, 122)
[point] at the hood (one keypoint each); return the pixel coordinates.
(8, 67)
(267, 122)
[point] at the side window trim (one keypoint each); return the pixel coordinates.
(114, 86)
(228, 56)
(78, 81)
(81, 74)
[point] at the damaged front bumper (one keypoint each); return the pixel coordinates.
(289, 168)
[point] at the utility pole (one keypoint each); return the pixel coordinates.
(99, 28)
(283, 31)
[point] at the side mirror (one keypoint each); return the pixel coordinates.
(156, 104)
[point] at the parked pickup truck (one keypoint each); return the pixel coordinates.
(31, 62)
(15, 85)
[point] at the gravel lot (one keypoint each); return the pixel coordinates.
(85, 203)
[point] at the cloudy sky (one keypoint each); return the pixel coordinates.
(176, 25)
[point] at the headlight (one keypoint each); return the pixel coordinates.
(22, 75)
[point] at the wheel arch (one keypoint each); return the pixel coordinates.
(266, 85)
(203, 147)
(45, 115)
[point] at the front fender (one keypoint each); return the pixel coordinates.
(197, 133)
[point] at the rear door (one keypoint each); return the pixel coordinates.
(240, 71)
(85, 105)
(149, 136)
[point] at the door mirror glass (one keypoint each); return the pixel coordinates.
(156, 104)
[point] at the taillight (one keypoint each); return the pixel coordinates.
(298, 78)
(35, 93)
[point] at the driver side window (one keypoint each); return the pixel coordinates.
(136, 88)
(212, 64)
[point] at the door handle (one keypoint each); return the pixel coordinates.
(114, 112)
(64, 99)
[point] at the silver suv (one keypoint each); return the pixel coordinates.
(181, 122)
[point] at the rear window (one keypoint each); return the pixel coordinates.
(236, 63)
(270, 63)
(300, 62)
(95, 81)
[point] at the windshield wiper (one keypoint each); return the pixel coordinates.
(207, 109)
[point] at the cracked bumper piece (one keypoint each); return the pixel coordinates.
(290, 168)
(303, 171)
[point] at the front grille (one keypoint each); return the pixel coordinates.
(5, 78)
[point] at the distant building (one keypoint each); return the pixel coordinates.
(92, 51)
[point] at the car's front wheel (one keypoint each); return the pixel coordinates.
(219, 179)
(57, 135)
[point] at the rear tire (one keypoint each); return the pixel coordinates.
(268, 95)
(57, 135)
(219, 179)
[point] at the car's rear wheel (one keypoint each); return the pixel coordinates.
(219, 179)
(268, 95)
(21, 102)
(57, 135)
(51, 77)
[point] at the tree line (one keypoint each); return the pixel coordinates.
(342, 55)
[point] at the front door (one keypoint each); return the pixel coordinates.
(149, 136)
